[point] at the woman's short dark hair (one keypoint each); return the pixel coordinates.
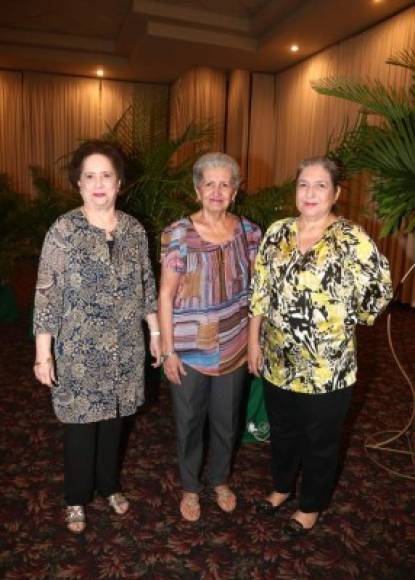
(333, 168)
(95, 147)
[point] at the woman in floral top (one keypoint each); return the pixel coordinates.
(203, 309)
(316, 277)
(95, 285)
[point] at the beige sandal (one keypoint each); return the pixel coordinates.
(75, 518)
(225, 498)
(119, 503)
(190, 506)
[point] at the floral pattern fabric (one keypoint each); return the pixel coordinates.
(312, 302)
(93, 305)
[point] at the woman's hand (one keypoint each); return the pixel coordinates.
(45, 371)
(255, 358)
(174, 369)
(155, 349)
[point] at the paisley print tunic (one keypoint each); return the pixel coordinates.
(93, 304)
(312, 302)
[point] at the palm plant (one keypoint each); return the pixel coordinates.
(382, 141)
(159, 188)
(386, 149)
(13, 225)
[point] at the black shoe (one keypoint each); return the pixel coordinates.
(266, 507)
(295, 529)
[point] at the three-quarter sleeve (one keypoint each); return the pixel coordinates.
(372, 279)
(174, 248)
(48, 309)
(260, 284)
(149, 284)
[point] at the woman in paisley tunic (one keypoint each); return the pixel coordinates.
(95, 285)
(315, 278)
(203, 310)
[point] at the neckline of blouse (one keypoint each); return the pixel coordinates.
(114, 233)
(324, 235)
(237, 229)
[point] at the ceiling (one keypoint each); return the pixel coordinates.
(157, 40)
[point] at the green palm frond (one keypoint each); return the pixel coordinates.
(374, 97)
(159, 187)
(386, 149)
(404, 58)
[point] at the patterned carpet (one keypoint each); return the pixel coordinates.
(368, 532)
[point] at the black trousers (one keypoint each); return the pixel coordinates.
(91, 459)
(219, 398)
(305, 432)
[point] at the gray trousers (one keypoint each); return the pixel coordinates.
(218, 398)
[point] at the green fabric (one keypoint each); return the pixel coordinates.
(8, 306)
(257, 425)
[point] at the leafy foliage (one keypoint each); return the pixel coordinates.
(13, 227)
(160, 188)
(24, 221)
(266, 205)
(382, 141)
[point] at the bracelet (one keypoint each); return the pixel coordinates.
(155, 333)
(43, 362)
(167, 355)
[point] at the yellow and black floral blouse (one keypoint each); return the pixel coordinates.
(93, 301)
(311, 303)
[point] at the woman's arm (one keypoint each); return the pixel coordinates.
(372, 279)
(49, 302)
(169, 283)
(255, 358)
(44, 368)
(155, 342)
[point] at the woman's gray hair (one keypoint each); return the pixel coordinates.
(216, 159)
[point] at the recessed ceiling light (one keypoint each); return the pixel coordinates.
(294, 48)
(100, 72)
(377, 1)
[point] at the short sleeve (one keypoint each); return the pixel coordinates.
(260, 285)
(174, 248)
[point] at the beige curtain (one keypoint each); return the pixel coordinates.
(306, 120)
(13, 145)
(44, 117)
(199, 96)
(59, 112)
(237, 118)
(262, 134)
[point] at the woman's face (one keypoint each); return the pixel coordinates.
(315, 193)
(98, 183)
(216, 191)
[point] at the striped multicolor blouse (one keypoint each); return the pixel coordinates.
(210, 310)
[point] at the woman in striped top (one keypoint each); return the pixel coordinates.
(206, 262)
